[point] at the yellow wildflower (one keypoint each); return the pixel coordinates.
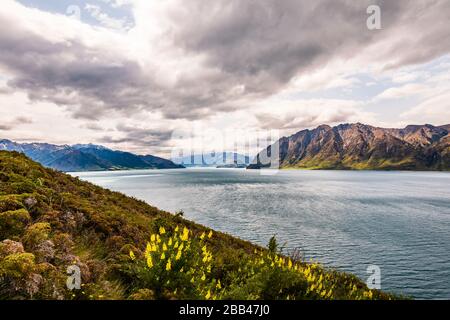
(218, 285)
(153, 238)
(164, 247)
(150, 262)
(170, 242)
(208, 295)
(202, 236)
(162, 230)
(132, 256)
(176, 229)
(168, 265)
(185, 235)
(178, 257)
(203, 277)
(210, 234)
(163, 256)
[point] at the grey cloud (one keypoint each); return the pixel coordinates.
(141, 137)
(256, 45)
(291, 122)
(11, 124)
(5, 127)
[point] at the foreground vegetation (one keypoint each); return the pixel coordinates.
(127, 249)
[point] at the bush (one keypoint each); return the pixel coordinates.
(174, 265)
(13, 223)
(36, 234)
(10, 203)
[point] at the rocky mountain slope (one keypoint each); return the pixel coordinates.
(359, 146)
(87, 157)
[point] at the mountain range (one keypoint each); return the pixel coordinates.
(85, 157)
(359, 146)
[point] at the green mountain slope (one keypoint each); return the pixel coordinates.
(86, 157)
(363, 147)
(127, 249)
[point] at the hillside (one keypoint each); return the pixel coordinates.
(127, 249)
(86, 157)
(359, 146)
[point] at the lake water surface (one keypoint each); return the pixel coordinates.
(399, 221)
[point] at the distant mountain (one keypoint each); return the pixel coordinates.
(219, 159)
(359, 146)
(87, 157)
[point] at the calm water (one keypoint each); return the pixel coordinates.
(399, 221)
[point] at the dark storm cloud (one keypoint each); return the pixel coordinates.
(254, 47)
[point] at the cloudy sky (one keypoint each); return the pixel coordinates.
(130, 73)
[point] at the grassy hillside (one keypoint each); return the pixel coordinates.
(127, 249)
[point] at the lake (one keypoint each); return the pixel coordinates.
(399, 221)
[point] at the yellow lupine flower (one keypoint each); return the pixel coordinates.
(132, 256)
(290, 264)
(202, 236)
(218, 285)
(176, 245)
(168, 265)
(176, 229)
(208, 295)
(203, 277)
(153, 238)
(178, 257)
(150, 262)
(164, 247)
(162, 230)
(193, 280)
(181, 247)
(204, 249)
(210, 234)
(170, 242)
(163, 256)
(185, 235)
(158, 238)
(154, 247)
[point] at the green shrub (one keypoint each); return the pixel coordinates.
(36, 234)
(10, 203)
(13, 223)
